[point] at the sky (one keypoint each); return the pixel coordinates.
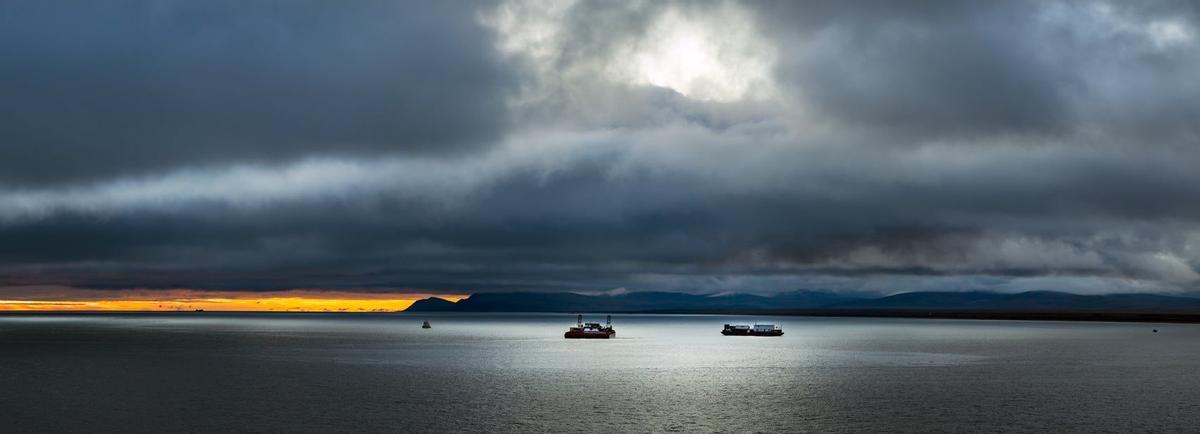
(217, 150)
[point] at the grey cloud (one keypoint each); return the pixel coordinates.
(98, 90)
(603, 214)
(944, 146)
(962, 70)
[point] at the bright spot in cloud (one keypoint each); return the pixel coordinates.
(702, 60)
(1169, 33)
(1160, 34)
(714, 56)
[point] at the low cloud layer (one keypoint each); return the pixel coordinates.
(700, 147)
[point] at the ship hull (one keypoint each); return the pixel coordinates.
(578, 335)
(751, 333)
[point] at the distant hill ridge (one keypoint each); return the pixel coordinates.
(630, 302)
(1027, 301)
(1032, 301)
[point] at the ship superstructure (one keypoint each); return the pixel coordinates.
(755, 330)
(591, 330)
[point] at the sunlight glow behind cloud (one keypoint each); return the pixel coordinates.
(717, 55)
(719, 58)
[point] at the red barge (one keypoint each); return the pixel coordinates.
(591, 330)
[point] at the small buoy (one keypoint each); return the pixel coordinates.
(1156, 330)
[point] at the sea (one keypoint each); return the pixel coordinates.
(476, 373)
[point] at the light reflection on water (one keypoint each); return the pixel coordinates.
(515, 372)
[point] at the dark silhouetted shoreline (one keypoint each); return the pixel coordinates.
(1165, 317)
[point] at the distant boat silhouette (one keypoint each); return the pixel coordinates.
(426, 325)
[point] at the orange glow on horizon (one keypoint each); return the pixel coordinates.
(190, 300)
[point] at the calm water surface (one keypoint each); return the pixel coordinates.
(514, 372)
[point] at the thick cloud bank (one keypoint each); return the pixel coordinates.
(718, 146)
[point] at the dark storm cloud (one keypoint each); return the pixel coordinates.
(102, 89)
(884, 146)
(979, 68)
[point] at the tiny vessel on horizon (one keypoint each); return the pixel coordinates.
(426, 325)
(756, 330)
(591, 330)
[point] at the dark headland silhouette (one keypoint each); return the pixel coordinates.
(629, 302)
(1036, 305)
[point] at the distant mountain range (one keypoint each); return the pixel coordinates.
(1033, 301)
(630, 302)
(1028, 301)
